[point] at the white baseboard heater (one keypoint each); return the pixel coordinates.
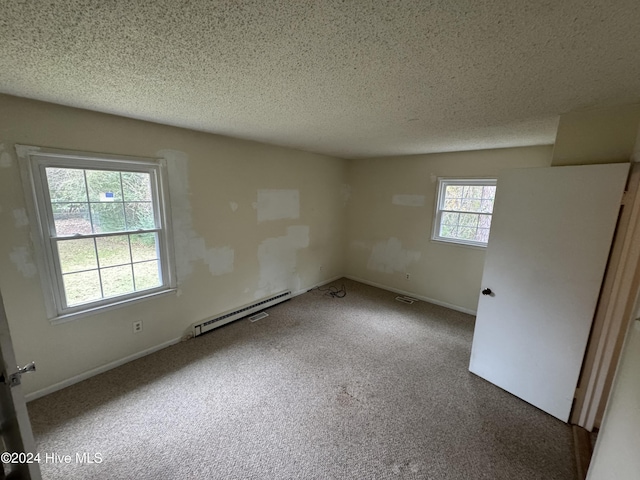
(223, 319)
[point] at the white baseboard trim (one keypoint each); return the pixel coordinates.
(96, 371)
(412, 294)
(320, 284)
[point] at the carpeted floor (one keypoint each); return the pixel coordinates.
(362, 387)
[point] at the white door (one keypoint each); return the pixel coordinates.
(14, 419)
(550, 238)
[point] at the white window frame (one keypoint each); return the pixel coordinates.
(33, 161)
(443, 183)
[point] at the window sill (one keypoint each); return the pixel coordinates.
(456, 243)
(68, 317)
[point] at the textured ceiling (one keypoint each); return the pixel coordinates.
(346, 78)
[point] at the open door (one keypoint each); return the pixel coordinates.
(16, 429)
(550, 239)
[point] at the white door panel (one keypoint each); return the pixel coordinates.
(550, 239)
(14, 419)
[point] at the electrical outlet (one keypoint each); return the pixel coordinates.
(408, 276)
(137, 327)
(321, 267)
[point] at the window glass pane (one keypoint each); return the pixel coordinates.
(453, 191)
(144, 246)
(466, 233)
(139, 215)
(104, 186)
(71, 218)
(484, 221)
(468, 220)
(489, 192)
(113, 250)
(470, 205)
(107, 217)
(482, 235)
(449, 218)
(487, 206)
(472, 191)
(147, 275)
(449, 231)
(452, 204)
(82, 287)
(77, 255)
(66, 184)
(117, 280)
(136, 186)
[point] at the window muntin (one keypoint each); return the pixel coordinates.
(103, 224)
(464, 210)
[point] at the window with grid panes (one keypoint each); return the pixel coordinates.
(103, 225)
(463, 211)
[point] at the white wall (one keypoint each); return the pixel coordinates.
(390, 218)
(616, 453)
(214, 184)
(597, 135)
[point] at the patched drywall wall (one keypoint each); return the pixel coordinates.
(390, 216)
(189, 247)
(408, 200)
(227, 253)
(278, 260)
(389, 257)
(278, 205)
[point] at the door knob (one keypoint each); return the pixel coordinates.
(487, 291)
(14, 379)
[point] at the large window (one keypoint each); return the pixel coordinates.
(103, 228)
(463, 210)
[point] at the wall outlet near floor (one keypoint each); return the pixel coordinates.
(408, 276)
(321, 267)
(137, 327)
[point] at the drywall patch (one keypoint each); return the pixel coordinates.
(5, 157)
(389, 257)
(277, 258)
(233, 206)
(278, 205)
(220, 260)
(20, 218)
(408, 200)
(188, 246)
(21, 258)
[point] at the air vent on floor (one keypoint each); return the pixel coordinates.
(208, 325)
(405, 299)
(258, 316)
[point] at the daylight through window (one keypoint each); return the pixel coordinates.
(103, 229)
(464, 210)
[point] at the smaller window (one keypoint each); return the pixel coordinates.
(463, 211)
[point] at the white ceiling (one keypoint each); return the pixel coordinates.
(348, 78)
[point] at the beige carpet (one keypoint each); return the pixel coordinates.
(361, 387)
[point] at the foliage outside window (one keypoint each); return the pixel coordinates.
(464, 209)
(103, 226)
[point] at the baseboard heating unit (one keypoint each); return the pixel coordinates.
(223, 319)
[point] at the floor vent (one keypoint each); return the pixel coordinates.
(405, 299)
(258, 316)
(208, 325)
